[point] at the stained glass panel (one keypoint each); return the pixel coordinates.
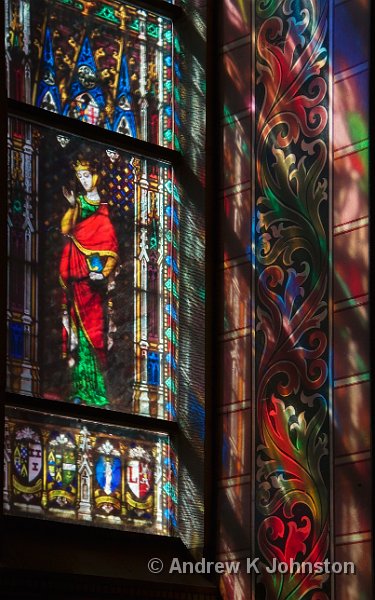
(63, 469)
(106, 63)
(93, 270)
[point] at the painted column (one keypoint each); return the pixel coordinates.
(45, 437)
(136, 326)
(160, 73)
(7, 466)
(161, 260)
(158, 458)
(143, 259)
(85, 475)
(143, 73)
(29, 317)
(291, 281)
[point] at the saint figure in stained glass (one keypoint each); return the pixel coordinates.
(102, 224)
(108, 479)
(89, 257)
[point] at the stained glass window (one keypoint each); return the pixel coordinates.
(60, 468)
(93, 262)
(93, 269)
(106, 63)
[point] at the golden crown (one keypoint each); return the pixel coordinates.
(83, 165)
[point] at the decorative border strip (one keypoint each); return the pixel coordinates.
(351, 148)
(353, 458)
(352, 380)
(233, 335)
(236, 407)
(353, 538)
(351, 72)
(236, 44)
(351, 225)
(351, 303)
(228, 482)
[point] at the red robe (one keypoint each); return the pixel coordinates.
(94, 235)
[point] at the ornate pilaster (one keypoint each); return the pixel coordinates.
(291, 267)
(143, 73)
(123, 480)
(85, 476)
(7, 464)
(160, 76)
(158, 485)
(142, 288)
(45, 438)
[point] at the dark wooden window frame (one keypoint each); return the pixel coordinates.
(56, 537)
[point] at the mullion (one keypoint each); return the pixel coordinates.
(44, 118)
(91, 413)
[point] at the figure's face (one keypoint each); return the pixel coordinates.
(85, 177)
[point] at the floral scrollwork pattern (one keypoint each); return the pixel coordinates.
(292, 263)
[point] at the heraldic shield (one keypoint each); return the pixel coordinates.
(27, 466)
(62, 472)
(139, 485)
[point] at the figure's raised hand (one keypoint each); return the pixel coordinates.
(69, 196)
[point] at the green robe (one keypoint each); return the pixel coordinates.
(88, 384)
